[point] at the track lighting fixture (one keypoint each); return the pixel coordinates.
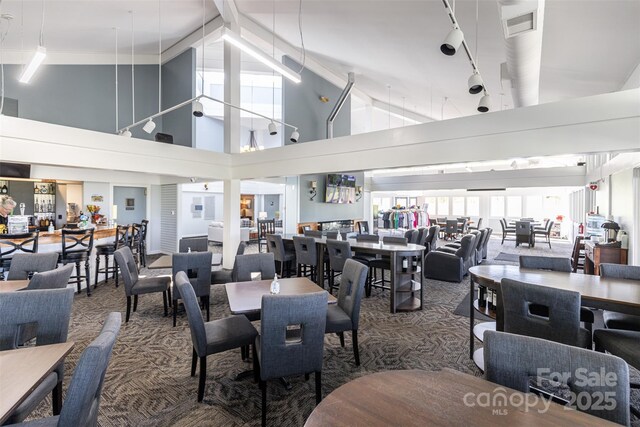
(452, 42)
(476, 84)
(126, 133)
(295, 136)
(149, 126)
(485, 103)
(197, 108)
(273, 130)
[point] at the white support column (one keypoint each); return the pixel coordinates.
(231, 95)
(291, 205)
(231, 214)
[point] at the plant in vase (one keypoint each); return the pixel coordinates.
(95, 216)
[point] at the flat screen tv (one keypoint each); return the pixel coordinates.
(340, 188)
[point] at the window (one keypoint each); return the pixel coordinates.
(473, 206)
(534, 207)
(443, 206)
(497, 206)
(514, 207)
(430, 205)
(413, 201)
(401, 201)
(457, 206)
(385, 203)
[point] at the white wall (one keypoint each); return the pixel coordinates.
(98, 189)
(622, 201)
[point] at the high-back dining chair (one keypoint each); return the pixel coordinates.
(339, 252)
(306, 256)
(225, 275)
(13, 244)
(51, 279)
(523, 232)
(23, 265)
(199, 265)
(291, 340)
(613, 319)
(265, 226)
(255, 263)
(281, 255)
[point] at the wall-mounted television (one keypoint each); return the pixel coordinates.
(340, 188)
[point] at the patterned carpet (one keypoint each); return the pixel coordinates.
(148, 381)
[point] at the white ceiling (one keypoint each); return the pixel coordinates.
(589, 46)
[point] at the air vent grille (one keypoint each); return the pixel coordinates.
(519, 24)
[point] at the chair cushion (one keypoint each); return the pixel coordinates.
(42, 422)
(221, 277)
(149, 285)
(624, 344)
(228, 333)
(615, 320)
(337, 320)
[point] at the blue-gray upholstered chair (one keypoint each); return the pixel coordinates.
(51, 279)
(197, 266)
(476, 226)
(506, 230)
(196, 244)
(83, 396)
(562, 265)
(281, 255)
(282, 351)
(312, 233)
(23, 265)
(450, 267)
(561, 323)
(546, 233)
(339, 252)
(624, 344)
(306, 256)
(511, 361)
(612, 319)
(345, 315)
(134, 285)
(225, 275)
(211, 337)
(454, 246)
(263, 263)
(485, 247)
(50, 310)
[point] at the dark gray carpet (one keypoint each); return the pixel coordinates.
(148, 381)
(463, 310)
(503, 256)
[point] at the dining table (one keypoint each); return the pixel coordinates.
(166, 261)
(406, 285)
(440, 398)
(13, 285)
(604, 293)
(23, 369)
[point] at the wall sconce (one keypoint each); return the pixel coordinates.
(358, 193)
(313, 185)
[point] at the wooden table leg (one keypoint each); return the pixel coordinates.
(393, 278)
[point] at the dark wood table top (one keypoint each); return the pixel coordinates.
(591, 288)
(380, 247)
(13, 285)
(246, 297)
(166, 261)
(24, 369)
(442, 398)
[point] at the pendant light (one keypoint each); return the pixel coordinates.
(38, 56)
(151, 125)
(197, 108)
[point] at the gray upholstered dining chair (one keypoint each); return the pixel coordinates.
(291, 340)
(546, 233)
(134, 285)
(52, 279)
(193, 244)
(511, 361)
(562, 322)
(211, 337)
(50, 310)
(24, 264)
(225, 275)
(339, 252)
(197, 266)
(306, 256)
(506, 230)
(262, 263)
(281, 255)
(524, 233)
(345, 315)
(83, 396)
(451, 228)
(612, 319)
(312, 233)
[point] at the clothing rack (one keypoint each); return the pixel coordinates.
(403, 218)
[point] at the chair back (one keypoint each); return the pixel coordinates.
(194, 315)
(503, 225)
(312, 233)
(266, 226)
(451, 226)
(199, 265)
(136, 235)
(462, 225)
(523, 228)
(467, 245)
(422, 236)
(11, 244)
(395, 240)
(83, 396)
(49, 309)
(242, 247)
(479, 224)
(285, 351)
(563, 323)
(76, 242)
(196, 244)
(52, 279)
(275, 245)
(372, 238)
(549, 226)
(354, 276)
(306, 250)
(411, 236)
(122, 237)
(255, 263)
(128, 268)
(620, 271)
(24, 264)
(485, 248)
(546, 263)
(511, 360)
(143, 229)
(339, 252)
(333, 235)
(432, 237)
(363, 227)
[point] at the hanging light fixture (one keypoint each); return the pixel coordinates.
(126, 133)
(273, 130)
(295, 135)
(149, 126)
(485, 103)
(476, 85)
(38, 56)
(452, 42)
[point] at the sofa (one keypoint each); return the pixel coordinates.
(216, 230)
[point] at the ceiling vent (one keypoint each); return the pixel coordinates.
(519, 24)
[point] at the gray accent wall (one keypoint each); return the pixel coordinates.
(139, 212)
(316, 210)
(271, 205)
(178, 85)
(302, 106)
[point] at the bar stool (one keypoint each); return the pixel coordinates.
(383, 263)
(143, 242)
(76, 249)
(108, 249)
(134, 242)
(306, 256)
(28, 243)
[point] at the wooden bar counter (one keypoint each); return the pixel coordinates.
(55, 238)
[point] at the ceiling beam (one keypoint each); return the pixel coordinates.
(212, 31)
(228, 10)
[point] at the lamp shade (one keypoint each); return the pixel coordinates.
(485, 103)
(476, 84)
(149, 126)
(452, 42)
(273, 130)
(262, 215)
